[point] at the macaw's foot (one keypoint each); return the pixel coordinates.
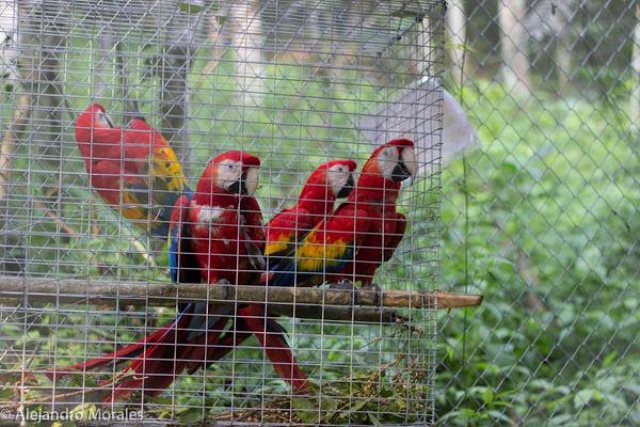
(344, 284)
(376, 289)
(347, 285)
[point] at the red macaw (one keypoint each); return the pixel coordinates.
(212, 241)
(329, 181)
(133, 169)
(361, 233)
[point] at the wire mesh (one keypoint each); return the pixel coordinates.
(542, 213)
(294, 83)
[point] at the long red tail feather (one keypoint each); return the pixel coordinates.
(271, 337)
(124, 354)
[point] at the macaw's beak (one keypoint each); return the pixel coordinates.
(239, 187)
(400, 172)
(347, 189)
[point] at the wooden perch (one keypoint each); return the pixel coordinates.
(344, 313)
(18, 289)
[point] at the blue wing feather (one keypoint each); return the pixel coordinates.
(288, 271)
(183, 266)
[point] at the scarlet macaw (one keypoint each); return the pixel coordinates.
(362, 233)
(212, 241)
(133, 169)
(329, 181)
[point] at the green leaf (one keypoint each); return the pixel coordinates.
(487, 395)
(87, 410)
(584, 397)
(306, 409)
(609, 358)
(374, 420)
(191, 6)
(497, 415)
(190, 415)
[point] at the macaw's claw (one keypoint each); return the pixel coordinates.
(347, 285)
(376, 289)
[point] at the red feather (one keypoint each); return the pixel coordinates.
(315, 202)
(362, 233)
(133, 169)
(219, 228)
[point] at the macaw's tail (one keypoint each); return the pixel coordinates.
(122, 355)
(156, 360)
(178, 349)
(252, 320)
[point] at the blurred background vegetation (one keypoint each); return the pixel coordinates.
(542, 218)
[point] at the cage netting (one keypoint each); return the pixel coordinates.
(294, 83)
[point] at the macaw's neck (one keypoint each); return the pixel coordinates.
(375, 190)
(316, 198)
(208, 195)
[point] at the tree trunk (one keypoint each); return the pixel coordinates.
(174, 66)
(44, 46)
(430, 43)
(515, 64)
(634, 107)
(247, 42)
(456, 28)
(563, 45)
(103, 67)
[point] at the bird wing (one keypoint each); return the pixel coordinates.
(153, 176)
(326, 249)
(284, 230)
(183, 265)
(399, 225)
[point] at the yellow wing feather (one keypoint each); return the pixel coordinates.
(281, 244)
(168, 170)
(320, 256)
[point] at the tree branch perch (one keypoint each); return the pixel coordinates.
(15, 289)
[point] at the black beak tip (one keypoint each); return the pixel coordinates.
(347, 189)
(238, 187)
(400, 173)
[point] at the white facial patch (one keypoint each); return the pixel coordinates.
(337, 177)
(410, 160)
(229, 172)
(387, 161)
(251, 182)
(103, 119)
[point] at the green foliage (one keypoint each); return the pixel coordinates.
(552, 245)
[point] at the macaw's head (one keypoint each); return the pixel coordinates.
(394, 161)
(333, 179)
(92, 118)
(339, 177)
(233, 172)
(388, 166)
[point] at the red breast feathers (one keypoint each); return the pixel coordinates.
(221, 242)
